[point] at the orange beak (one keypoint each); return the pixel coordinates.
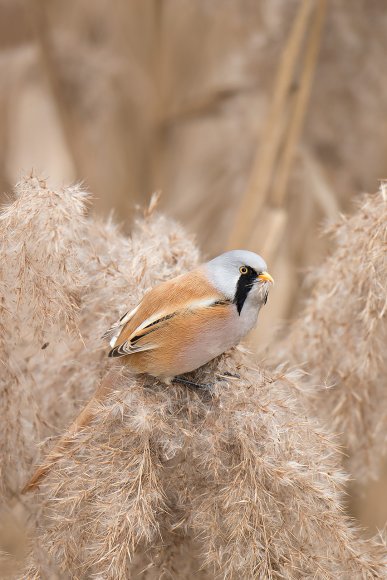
(265, 277)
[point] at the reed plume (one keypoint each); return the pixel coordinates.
(241, 481)
(63, 280)
(341, 336)
(40, 285)
(164, 482)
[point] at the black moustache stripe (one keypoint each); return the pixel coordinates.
(244, 285)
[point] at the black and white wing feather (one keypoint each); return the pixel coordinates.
(115, 330)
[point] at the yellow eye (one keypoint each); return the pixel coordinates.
(243, 270)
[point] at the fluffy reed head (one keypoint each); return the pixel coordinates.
(237, 483)
(238, 480)
(341, 335)
(63, 279)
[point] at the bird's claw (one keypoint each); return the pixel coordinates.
(191, 384)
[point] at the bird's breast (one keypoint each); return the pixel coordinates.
(216, 336)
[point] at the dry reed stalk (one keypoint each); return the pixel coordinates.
(241, 482)
(264, 163)
(341, 336)
(269, 232)
(281, 179)
(272, 220)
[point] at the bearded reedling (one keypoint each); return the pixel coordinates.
(180, 325)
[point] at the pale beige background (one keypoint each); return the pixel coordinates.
(132, 97)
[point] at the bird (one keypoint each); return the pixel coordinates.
(178, 326)
(183, 323)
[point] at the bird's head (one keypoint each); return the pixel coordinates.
(241, 276)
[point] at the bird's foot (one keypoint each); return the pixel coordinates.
(192, 384)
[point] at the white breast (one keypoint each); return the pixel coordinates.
(218, 338)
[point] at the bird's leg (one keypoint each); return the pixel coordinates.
(191, 384)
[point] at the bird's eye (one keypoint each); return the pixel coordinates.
(243, 269)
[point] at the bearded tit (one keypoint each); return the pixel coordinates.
(183, 323)
(179, 326)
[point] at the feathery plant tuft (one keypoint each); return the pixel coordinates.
(341, 335)
(40, 284)
(63, 279)
(164, 481)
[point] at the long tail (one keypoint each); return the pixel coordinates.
(85, 416)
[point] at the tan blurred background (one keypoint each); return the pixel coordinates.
(259, 120)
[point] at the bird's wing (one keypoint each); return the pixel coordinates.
(140, 339)
(116, 328)
(129, 344)
(133, 332)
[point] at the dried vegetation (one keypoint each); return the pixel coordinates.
(169, 95)
(340, 337)
(163, 482)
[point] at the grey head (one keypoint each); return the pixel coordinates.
(241, 276)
